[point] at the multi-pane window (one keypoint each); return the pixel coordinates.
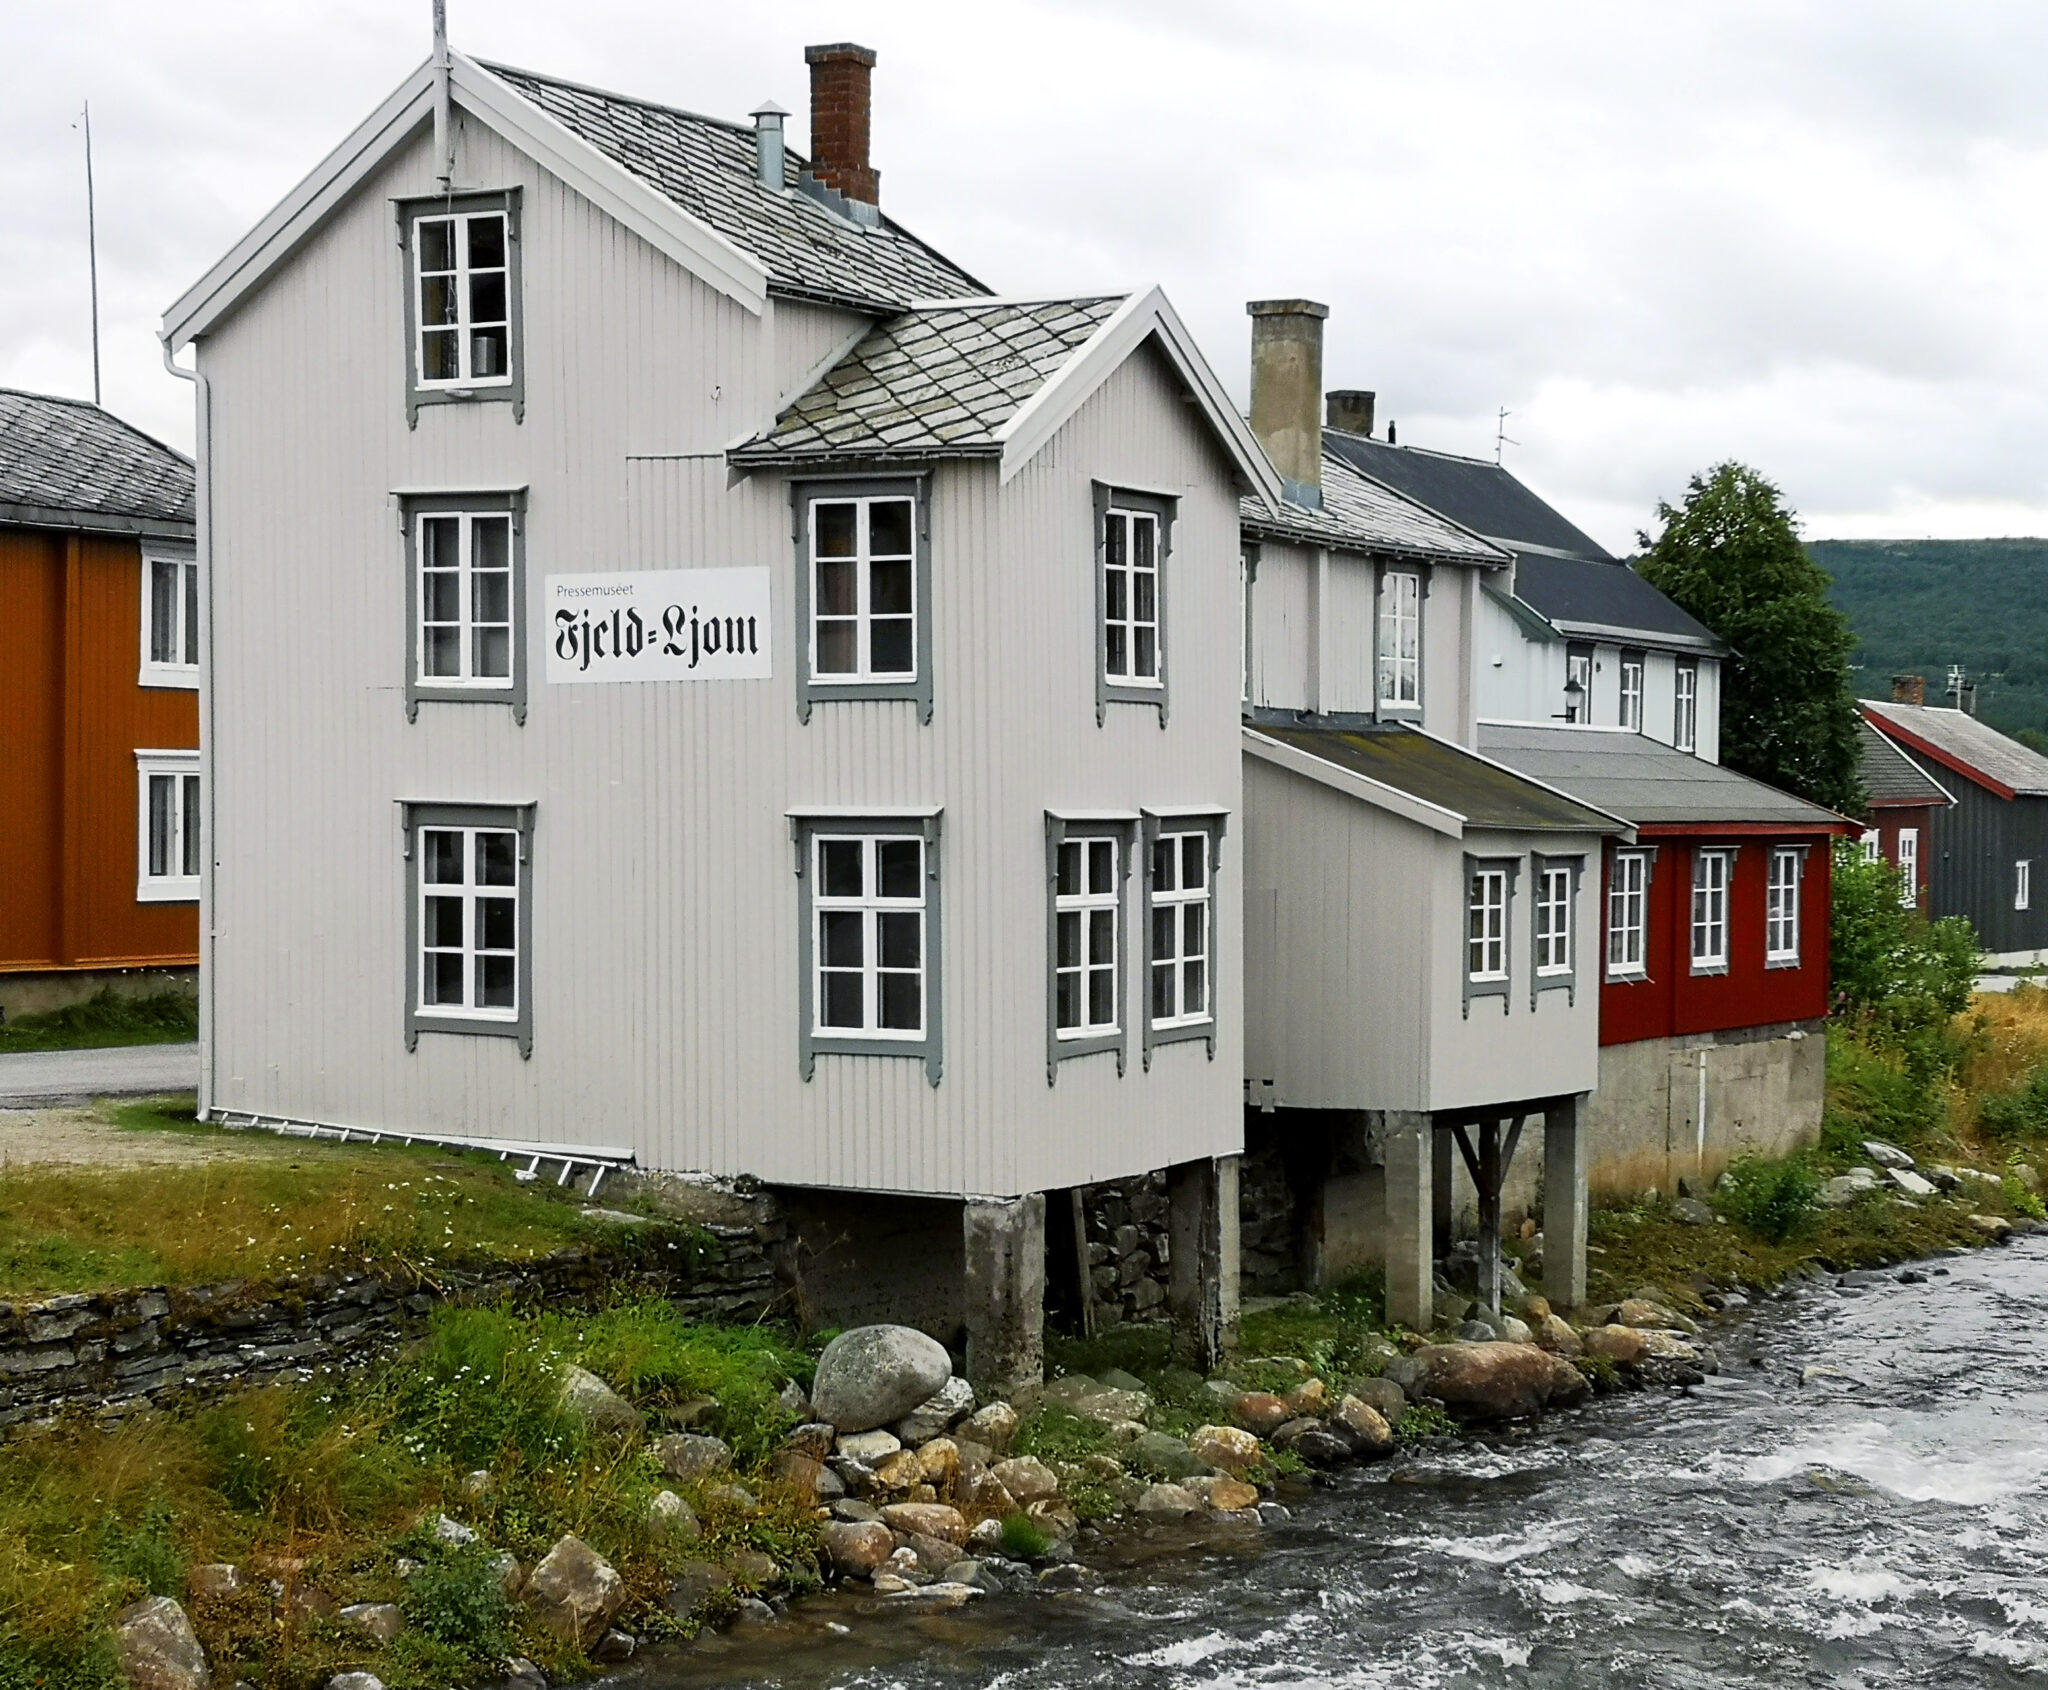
(170, 620)
(1085, 909)
(1400, 640)
(465, 599)
(1632, 691)
(1685, 713)
(1180, 901)
(462, 276)
(863, 568)
(1909, 866)
(1781, 907)
(1130, 597)
(1578, 685)
(1628, 915)
(1873, 845)
(1486, 923)
(167, 826)
(1709, 911)
(469, 922)
(2023, 884)
(1554, 921)
(868, 937)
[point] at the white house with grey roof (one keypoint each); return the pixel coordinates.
(695, 679)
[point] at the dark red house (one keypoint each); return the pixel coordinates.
(1904, 802)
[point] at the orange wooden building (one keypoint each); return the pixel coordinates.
(100, 812)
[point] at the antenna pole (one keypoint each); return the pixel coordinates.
(92, 252)
(1500, 433)
(444, 138)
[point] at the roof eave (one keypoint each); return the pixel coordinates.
(849, 457)
(1278, 528)
(1616, 633)
(1621, 824)
(1947, 759)
(1378, 793)
(58, 518)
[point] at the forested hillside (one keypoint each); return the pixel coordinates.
(1921, 605)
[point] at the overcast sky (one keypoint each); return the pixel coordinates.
(1810, 236)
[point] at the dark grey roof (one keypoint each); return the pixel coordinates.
(1360, 514)
(1483, 497)
(1959, 741)
(1445, 775)
(1890, 776)
(707, 166)
(1648, 782)
(939, 381)
(1562, 573)
(65, 463)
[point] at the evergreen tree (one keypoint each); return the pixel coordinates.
(1730, 555)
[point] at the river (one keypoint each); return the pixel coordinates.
(1859, 1499)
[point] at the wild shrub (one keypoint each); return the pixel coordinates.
(144, 1554)
(1771, 1198)
(2021, 1199)
(1899, 978)
(2021, 1113)
(1024, 1538)
(458, 1599)
(482, 1386)
(1871, 1093)
(1423, 1420)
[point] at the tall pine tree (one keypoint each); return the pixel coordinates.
(1730, 554)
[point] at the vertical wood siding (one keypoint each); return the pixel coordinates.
(1976, 845)
(664, 932)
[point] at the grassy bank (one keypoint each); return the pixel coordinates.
(267, 1207)
(330, 1488)
(105, 1019)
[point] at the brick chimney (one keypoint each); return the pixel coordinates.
(1349, 410)
(1909, 689)
(841, 98)
(1287, 391)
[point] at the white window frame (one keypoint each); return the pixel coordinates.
(2023, 884)
(1169, 845)
(863, 617)
(1872, 843)
(871, 906)
(471, 891)
(1632, 665)
(1128, 523)
(1628, 916)
(1554, 921)
(1578, 666)
(1399, 640)
(1713, 880)
(185, 619)
(465, 325)
(187, 823)
(1908, 849)
(466, 624)
(1486, 923)
(1685, 707)
(1781, 906)
(1093, 907)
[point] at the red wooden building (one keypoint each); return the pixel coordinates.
(100, 813)
(1904, 800)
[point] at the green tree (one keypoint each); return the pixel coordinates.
(1730, 555)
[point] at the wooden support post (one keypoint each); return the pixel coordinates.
(1081, 1264)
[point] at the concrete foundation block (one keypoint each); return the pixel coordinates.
(1005, 1293)
(1202, 1283)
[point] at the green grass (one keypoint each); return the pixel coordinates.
(276, 1207)
(341, 1477)
(104, 1020)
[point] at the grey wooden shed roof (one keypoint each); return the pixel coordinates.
(65, 463)
(1959, 741)
(706, 165)
(937, 381)
(1891, 777)
(1359, 514)
(1632, 775)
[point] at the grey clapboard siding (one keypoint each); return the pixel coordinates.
(664, 898)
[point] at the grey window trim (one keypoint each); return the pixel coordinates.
(1422, 572)
(1110, 496)
(1641, 976)
(1215, 823)
(1709, 970)
(416, 813)
(513, 392)
(1059, 829)
(1573, 650)
(1640, 658)
(484, 502)
(925, 825)
(1798, 958)
(918, 489)
(1540, 863)
(1503, 987)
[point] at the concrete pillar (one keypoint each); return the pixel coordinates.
(1005, 1293)
(1411, 1258)
(1567, 1155)
(1202, 1290)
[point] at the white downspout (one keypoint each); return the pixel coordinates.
(202, 454)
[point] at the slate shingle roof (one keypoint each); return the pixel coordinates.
(1632, 775)
(1961, 742)
(1892, 777)
(68, 464)
(938, 381)
(706, 166)
(1359, 514)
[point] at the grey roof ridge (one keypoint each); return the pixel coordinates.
(1622, 822)
(979, 301)
(99, 410)
(1426, 451)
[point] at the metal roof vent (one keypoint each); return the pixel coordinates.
(768, 118)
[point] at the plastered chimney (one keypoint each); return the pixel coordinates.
(1349, 410)
(842, 77)
(1287, 390)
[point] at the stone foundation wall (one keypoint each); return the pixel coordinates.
(110, 1353)
(1128, 1248)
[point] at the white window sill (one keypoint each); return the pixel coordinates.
(469, 1017)
(461, 389)
(1074, 1035)
(1181, 1021)
(179, 889)
(1628, 976)
(908, 678)
(1150, 683)
(869, 1035)
(180, 676)
(1789, 959)
(1563, 973)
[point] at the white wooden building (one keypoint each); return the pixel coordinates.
(691, 673)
